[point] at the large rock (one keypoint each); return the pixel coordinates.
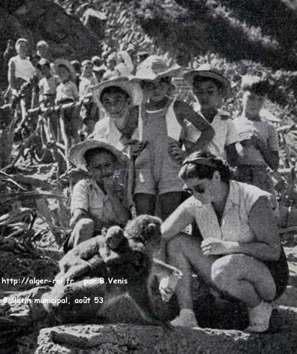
(87, 339)
(36, 20)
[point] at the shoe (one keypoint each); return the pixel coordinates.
(259, 317)
(186, 318)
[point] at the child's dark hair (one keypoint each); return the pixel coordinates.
(89, 154)
(43, 63)
(199, 79)
(255, 84)
(65, 67)
(166, 79)
(203, 165)
(112, 90)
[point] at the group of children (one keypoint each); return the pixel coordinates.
(136, 149)
(137, 112)
(145, 121)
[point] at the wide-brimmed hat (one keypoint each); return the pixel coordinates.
(67, 64)
(208, 71)
(77, 153)
(155, 67)
(121, 82)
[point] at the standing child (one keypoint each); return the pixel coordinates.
(118, 99)
(66, 93)
(47, 94)
(160, 122)
(210, 88)
(259, 145)
(47, 84)
(89, 111)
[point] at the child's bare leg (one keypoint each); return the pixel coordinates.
(145, 203)
(169, 202)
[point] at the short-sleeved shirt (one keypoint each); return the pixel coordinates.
(47, 87)
(66, 90)
(85, 84)
(24, 69)
(250, 155)
(88, 196)
(225, 133)
(234, 224)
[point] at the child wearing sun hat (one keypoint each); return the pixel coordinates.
(98, 200)
(160, 122)
(210, 88)
(117, 97)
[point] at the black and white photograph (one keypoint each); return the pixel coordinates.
(148, 177)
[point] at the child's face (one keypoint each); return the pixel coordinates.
(208, 94)
(63, 73)
(45, 70)
(101, 166)
(115, 103)
(23, 49)
(252, 103)
(43, 50)
(156, 90)
(111, 64)
(88, 69)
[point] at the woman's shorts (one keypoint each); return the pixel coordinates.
(280, 273)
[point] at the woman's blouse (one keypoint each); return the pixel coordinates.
(234, 225)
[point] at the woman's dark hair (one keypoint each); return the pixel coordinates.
(89, 154)
(198, 79)
(112, 90)
(203, 165)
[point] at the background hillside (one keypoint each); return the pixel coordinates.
(238, 36)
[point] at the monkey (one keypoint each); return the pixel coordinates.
(119, 254)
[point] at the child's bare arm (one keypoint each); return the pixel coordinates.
(184, 111)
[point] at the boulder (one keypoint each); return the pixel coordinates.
(36, 20)
(121, 338)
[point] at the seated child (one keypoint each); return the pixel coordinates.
(99, 201)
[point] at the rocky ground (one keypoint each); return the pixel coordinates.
(181, 27)
(26, 327)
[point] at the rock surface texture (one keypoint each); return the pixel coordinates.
(121, 338)
(36, 20)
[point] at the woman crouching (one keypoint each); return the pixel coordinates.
(240, 253)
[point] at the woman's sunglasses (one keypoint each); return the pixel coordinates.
(198, 189)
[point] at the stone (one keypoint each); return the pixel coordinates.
(121, 338)
(289, 297)
(66, 34)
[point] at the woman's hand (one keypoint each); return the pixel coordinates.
(214, 246)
